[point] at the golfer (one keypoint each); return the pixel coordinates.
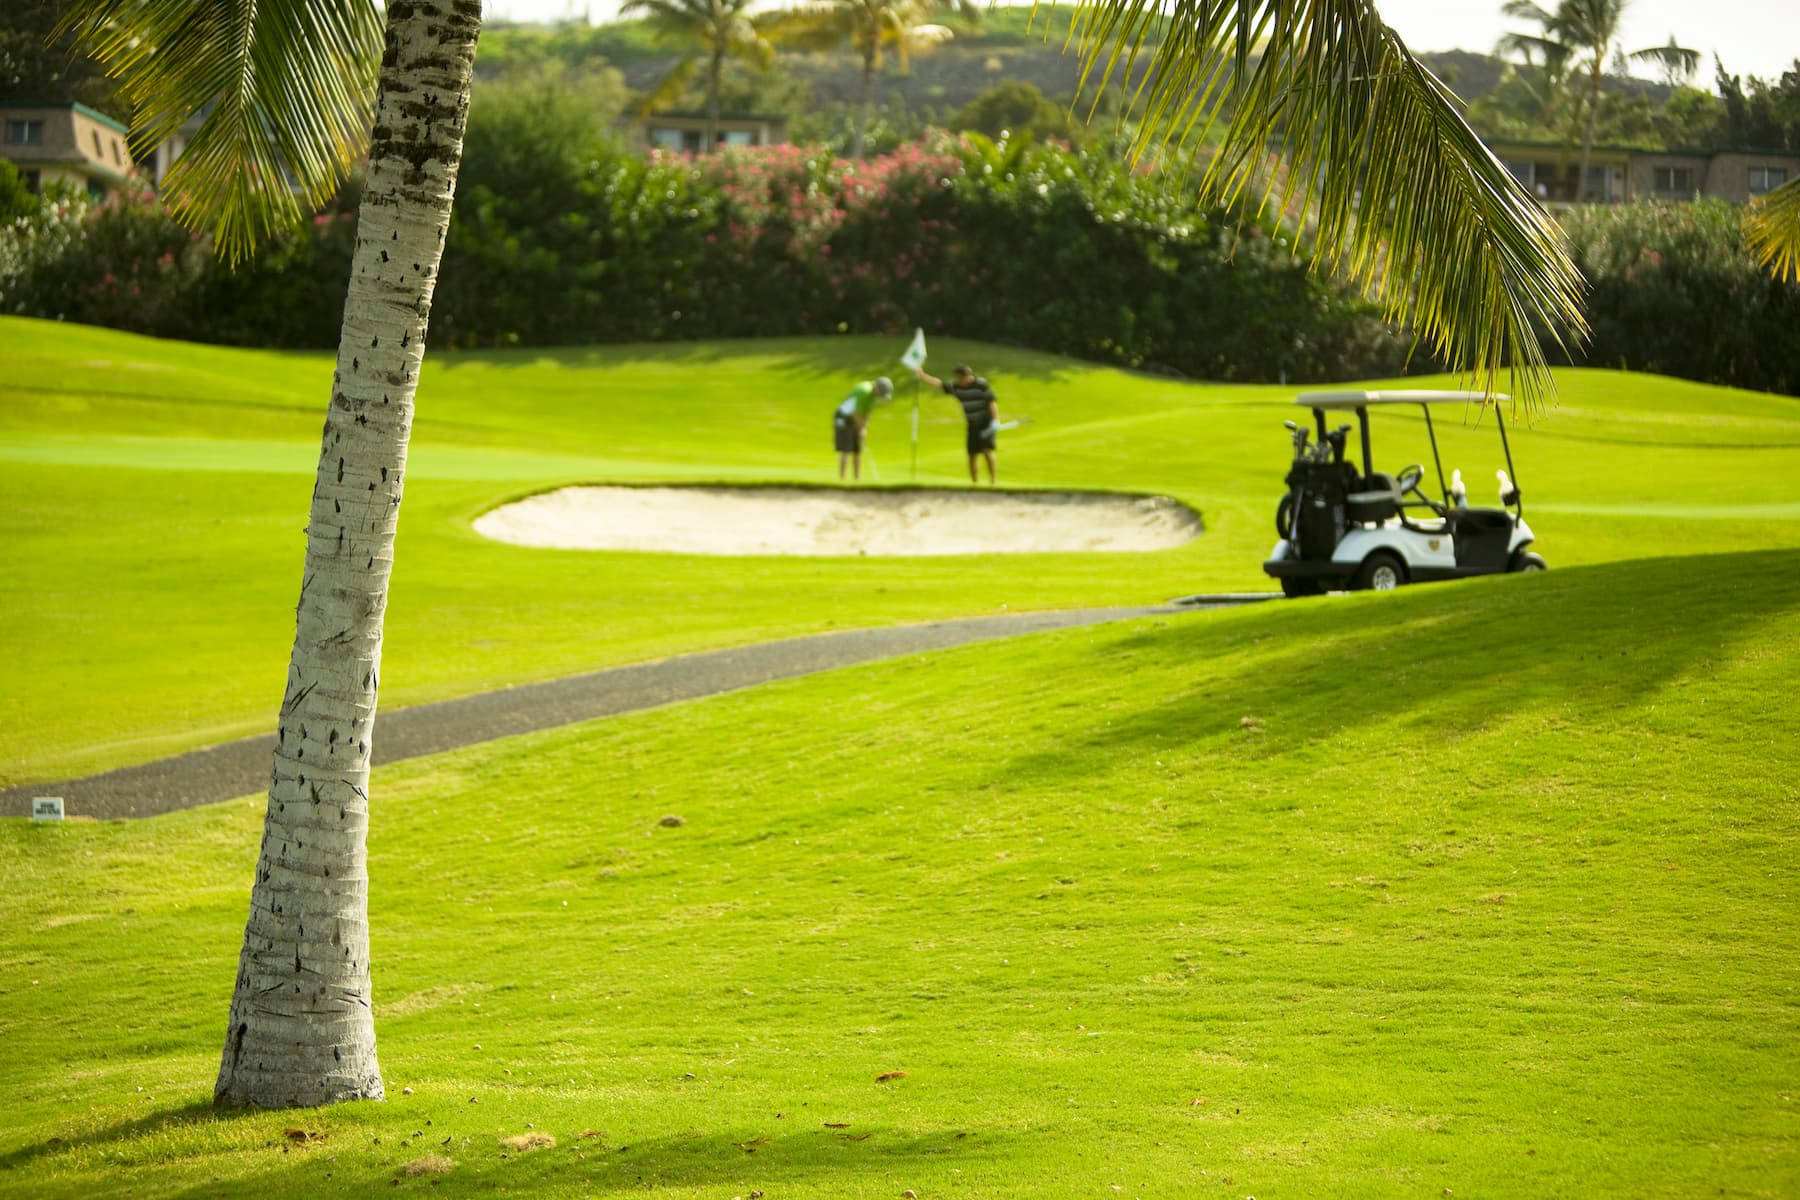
(852, 418)
(980, 409)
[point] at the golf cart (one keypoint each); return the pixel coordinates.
(1342, 527)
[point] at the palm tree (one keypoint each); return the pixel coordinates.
(1586, 31)
(1401, 189)
(721, 28)
(289, 82)
(872, 28)
(1772, 225)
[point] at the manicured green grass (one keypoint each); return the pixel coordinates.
(1474, 890)
(152, 499)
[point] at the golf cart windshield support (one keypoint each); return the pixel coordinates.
(1518, 496)
(1437, 459)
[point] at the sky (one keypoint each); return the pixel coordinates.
(1754, 37)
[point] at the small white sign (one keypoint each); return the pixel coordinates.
(46, 808)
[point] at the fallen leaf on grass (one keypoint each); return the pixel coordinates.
(750, 1146)
(885, 1076)
(303, 1136)
(837, 1124)
(431, 1164)
(592, 1133)
(528, 1141)
(856, 1137)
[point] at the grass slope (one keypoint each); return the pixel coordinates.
(153, 496)
(1477, 890)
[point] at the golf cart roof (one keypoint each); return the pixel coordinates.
(1344, 401)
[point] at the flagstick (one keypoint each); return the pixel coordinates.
(915, 445)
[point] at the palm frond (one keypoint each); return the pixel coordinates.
(1407, 201)
(286, 87)
(1772, 224)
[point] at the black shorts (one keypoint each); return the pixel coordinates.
(844, 435)
(982, 439)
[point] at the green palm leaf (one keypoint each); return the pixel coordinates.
(1772, 223)
(1407, 200)
(286, 86)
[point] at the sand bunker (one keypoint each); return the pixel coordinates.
(767, 520)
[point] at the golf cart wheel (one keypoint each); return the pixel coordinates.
(1380, 572)
(1284, 517)
(1295, 588)
(1525, 560)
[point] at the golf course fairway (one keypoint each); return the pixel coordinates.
(1474, 889)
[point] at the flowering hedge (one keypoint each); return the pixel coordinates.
(1027, 243)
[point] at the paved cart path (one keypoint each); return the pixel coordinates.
(241, 768)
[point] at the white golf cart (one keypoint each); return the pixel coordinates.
(1342, 527)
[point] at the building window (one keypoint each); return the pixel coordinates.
(118, 160)
(98, 152)
(1603, 184)
(24, 133)
(34, 181)
(1766, 179)
(1672, 181)
(737, 137)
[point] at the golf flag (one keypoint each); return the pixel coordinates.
(915, 353)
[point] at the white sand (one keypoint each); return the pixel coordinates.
(723, 520)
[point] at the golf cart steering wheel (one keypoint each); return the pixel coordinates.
(1408, 484)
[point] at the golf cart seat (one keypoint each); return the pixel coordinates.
(1376, 499)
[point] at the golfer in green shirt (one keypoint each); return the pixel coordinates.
(852, 418)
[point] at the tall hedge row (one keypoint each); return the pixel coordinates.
(1031, 244)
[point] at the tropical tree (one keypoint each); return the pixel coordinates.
(720, 28)
(1407, 200)
(872, 28)
(1583, 32)
(289, 84)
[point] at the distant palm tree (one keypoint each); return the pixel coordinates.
(871, 28)
(721, 29)
(1586, 30)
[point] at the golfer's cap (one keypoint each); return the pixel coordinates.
(961, 369)
(884, 385)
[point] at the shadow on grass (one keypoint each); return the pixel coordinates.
(1453, 658)
(196, 1112)
(738, 1163)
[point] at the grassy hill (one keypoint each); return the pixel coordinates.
(1484, 889)
(1478, 889)
(152, 497)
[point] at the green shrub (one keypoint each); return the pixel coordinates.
(1673, 289)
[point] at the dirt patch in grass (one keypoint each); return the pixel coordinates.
(840, 521)
(431, 1164)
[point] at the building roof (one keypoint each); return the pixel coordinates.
(92, 114)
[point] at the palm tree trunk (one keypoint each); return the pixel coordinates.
(712, 101)
(868, 102)
(1587, 137)
(302, 1029)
